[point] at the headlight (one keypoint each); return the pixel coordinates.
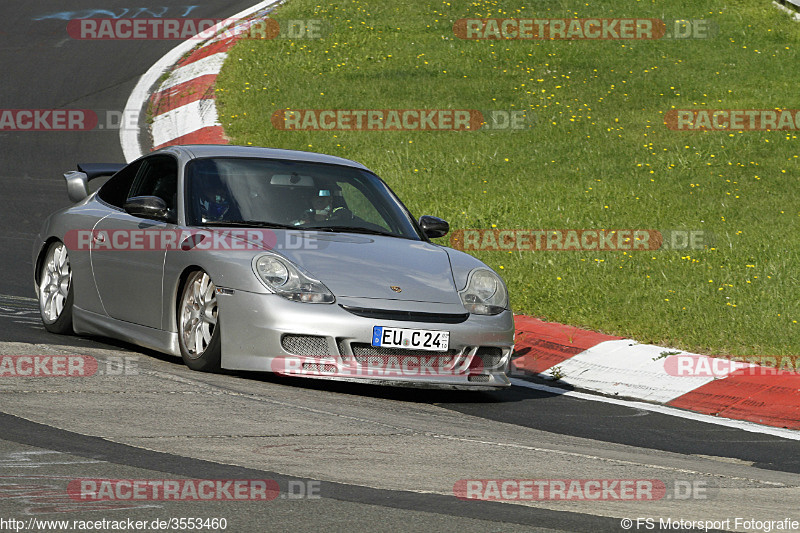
(271, 270)
(485, 293)
(286, 280)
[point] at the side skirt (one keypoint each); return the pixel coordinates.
(154, 339)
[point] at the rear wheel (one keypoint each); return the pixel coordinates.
(198, 324)
(55, 290)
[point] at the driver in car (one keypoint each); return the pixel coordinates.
(214, 203)
(325, 205)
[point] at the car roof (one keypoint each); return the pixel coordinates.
(226, 150)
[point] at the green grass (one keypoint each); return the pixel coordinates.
(599, 155)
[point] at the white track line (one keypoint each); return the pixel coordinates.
(752, 427)
(129, 135)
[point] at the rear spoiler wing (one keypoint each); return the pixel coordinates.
(78, 180)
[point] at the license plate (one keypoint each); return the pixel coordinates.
(412, 339)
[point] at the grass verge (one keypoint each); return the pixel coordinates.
(598, 156)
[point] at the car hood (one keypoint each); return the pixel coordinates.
(367, 266)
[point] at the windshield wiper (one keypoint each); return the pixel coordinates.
(350, 229)
(249, 223)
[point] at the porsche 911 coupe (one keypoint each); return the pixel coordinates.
(261, 259)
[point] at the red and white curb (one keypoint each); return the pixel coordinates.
(183, 106)
(622, 367)
(184, 112)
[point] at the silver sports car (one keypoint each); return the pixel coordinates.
(272, 260)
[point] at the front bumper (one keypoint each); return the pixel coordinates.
(264, 332)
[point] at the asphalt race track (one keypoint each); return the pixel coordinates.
(345, 456)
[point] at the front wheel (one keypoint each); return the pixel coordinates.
(55, 290)
(198, 324)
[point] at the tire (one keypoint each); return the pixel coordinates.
(56, 293)
(198, 324)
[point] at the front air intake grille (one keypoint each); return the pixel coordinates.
(319, 367)
(366, 354)
(478, 378)
(487, 357)
(308, 345)
(407, 316)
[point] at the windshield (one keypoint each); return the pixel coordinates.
(292, 194)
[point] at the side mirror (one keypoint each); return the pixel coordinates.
(146, 207)
(433, 227)
(77, 185)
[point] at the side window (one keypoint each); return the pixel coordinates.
(115, 190)
(158, 176)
